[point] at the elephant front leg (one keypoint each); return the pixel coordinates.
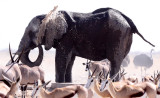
(60, 66)
(68, 75)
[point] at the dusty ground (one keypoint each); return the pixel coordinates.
(79, 73)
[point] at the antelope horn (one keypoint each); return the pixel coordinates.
(152, 77)
(103, 71)
(10, 67)
(11, 59)
(94, 71)
(17, 60)
(100, 74)
(10, 54)
(46, 83)
(107, 75)
(103, 74)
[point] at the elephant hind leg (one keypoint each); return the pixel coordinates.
(115, 67)
(68, 75)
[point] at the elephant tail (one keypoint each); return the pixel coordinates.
(134, 29)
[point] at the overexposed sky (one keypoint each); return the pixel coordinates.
(16, 14)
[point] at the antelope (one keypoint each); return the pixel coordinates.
(155, 80)
(13, 72)
(94, 85)
(128, 91)
(65, 92)
(9, 92)
(129, 80)
(30, 75)
(96, 68)
(27, 74)
(3, 89)
(156, 77)
(99, 66)
(133, 79)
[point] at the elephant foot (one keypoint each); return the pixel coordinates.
(68, 79)
(60, 79)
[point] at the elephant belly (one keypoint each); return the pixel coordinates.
(91, 52)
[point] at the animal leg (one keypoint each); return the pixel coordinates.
(68, 75)
(25, 91)
(60, 66)
(114, 70)
(22, 90)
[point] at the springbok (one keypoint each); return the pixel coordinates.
(94, 84)
(3, 89)
(133, 79)
(30, 75)
(104, 65)
(27, 74)
(11, 71)
(135, 90)
(130, 80)
(96, 68)
(127, 91)
(154, 79)
(9, 92)
(65, 92)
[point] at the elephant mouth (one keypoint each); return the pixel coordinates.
(25, 59)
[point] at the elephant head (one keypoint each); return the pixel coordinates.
(28, 41)
(43, 30)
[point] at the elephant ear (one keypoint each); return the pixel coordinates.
(55, 28)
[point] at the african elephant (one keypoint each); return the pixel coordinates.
(103, 33)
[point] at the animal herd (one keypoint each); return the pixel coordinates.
(104, 36)
(14, 76)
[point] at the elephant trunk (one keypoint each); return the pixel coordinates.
(25, 58)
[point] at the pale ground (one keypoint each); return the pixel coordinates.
(79, 73)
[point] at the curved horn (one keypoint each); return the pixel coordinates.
(46, 83)
(94, 71)
(10, 54)
(12, 61)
